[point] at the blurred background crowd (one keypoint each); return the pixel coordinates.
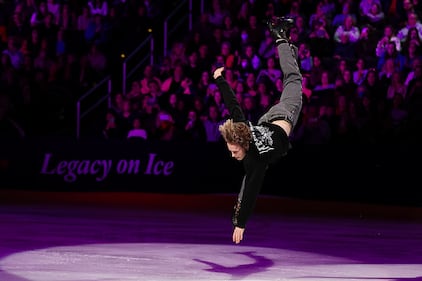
(360, 60)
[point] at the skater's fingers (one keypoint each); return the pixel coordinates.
(218, 72)
(238, 235)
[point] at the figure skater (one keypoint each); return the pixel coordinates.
(261, 145)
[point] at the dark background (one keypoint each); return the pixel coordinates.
(361, 173)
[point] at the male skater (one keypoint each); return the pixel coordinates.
(258, 146)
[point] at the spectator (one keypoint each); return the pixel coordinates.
(316, 71)
(148, 114)
(414, 105)
(255, 31)
(294, 11)
(305, 58)
(230, 30)
(266, 48)
(375, 17)
(348, 87)
(17, 27)
(173, 84)
(37, 17)
(242, 16)
(14, 53)
(137, 131)
(178, 54)
(324, 90)
(61, 44)
(134, 94)
(375, 90)
(218, 13)
(194, 129)
(204, 27)
(319, 38)
(388, 36)
(66, 19)
(271, 72)
(301, 29)
(111, 129)
(398, 58)
(250, 108)
(96, 32)
(312, 130)
(98, 7)
(398, 117)
(359, 74)
(48, 31)
(84, 19)
(231, 77)
(97, 62)
(345, 38)
(148, 74)
(307, 91)
(318, 19)
(193, 69)
(54, 8)
(411, 73)
(412, 22)
(339, 18)
(396, 87)
(229, 58)
(412, 38)
(166, 130)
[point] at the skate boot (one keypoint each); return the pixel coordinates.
(279, 29)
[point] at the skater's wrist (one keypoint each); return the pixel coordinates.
(218, 72)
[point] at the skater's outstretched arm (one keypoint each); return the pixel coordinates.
(229, 97)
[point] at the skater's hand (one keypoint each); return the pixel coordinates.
(238, 234)
(218, 72)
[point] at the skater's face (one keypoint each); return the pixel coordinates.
(237, 152)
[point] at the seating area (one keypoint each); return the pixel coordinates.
(361, 64)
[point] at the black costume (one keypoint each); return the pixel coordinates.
(269, 141)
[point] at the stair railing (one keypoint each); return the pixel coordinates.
(174, 26)
(80, 114)
(126, 72)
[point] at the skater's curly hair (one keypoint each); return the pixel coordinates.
(236, 133)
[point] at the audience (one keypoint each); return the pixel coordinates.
(361, 69)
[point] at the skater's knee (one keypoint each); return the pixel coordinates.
(284, 124)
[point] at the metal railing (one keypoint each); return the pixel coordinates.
(126, 73)
(80, 114)
(146, 47)
(184, 4)
(174, 26)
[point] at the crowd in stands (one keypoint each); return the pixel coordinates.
(361, 63)
(53, 51)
